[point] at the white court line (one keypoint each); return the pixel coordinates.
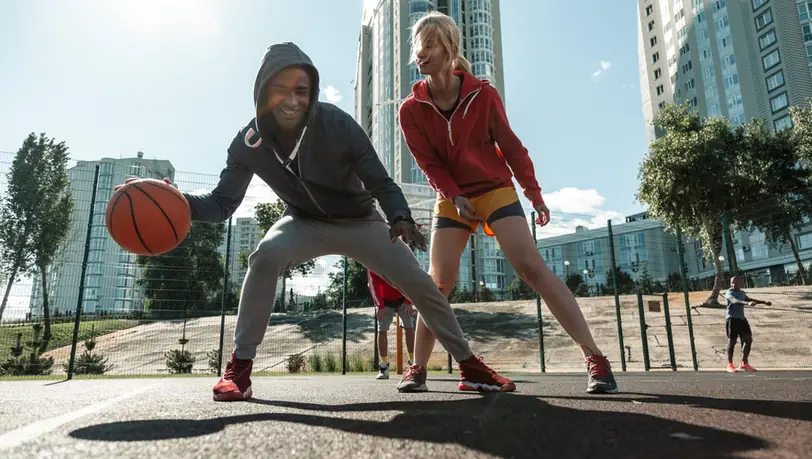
(36, 429)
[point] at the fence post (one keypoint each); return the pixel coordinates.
(618, 320)
(643, 333)
(344, 324)
(224, 297)
(668, 332)
(683, 270)
(538, 301)
(81, 296)
(731, 252)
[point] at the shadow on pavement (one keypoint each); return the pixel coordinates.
(799, 411)
(504, 425)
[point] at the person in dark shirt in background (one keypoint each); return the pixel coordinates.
(736, 324)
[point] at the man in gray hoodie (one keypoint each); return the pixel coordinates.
(319, 161)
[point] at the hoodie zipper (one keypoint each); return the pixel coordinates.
(291, 158)
(448, 121)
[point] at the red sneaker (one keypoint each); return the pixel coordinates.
(476, 376)
(746, 367)
(235, 385)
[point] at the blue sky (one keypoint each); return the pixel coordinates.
(174, 79)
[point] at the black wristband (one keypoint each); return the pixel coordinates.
(400, 217)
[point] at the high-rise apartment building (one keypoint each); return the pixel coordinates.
(111, 273)
(741, 59)
(384, 77)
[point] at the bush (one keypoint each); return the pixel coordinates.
(331, 364)
(179, 361)
(214, 360)
(315, 363)
(360, 363)
(89, 363)
(296, 363)
(32, 365)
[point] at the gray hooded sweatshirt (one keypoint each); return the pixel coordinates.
(340, 174)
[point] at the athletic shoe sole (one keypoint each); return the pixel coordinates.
(414, 388)
(479, 387)
(601, 390)
(233, 396)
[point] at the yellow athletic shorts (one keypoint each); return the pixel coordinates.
(491, 206)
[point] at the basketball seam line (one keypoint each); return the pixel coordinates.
(135, 224)
(112, 211)
(155, 185)
(171, 225)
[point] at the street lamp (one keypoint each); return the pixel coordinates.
(566, 269)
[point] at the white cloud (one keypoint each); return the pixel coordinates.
(318, 280)
(573, 207)
(258, 192)
(332, 94)
(603, 67)
(627, 86)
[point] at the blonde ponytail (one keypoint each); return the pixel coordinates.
(461, 63)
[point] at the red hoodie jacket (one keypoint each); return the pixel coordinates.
(381, 290)
(461, 156)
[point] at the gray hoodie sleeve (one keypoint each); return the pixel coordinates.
(223, 201)
(373, 174)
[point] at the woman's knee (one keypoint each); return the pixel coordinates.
(529, 269)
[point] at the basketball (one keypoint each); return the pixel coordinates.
(148, 217)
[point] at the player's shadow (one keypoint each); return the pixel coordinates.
(503, 425)
(794, 410)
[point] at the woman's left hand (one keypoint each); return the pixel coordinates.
(543, 214)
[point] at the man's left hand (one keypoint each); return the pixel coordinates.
(409, 233)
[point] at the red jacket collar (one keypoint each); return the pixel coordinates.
(470, 83)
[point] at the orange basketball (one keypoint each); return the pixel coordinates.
(148, 217)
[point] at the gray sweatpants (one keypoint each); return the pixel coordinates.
(294, 240)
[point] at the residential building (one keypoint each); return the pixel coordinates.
(740, 59)
(385, 76)
(641, 245)
(111, 273)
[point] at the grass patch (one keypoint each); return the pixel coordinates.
(61, 333)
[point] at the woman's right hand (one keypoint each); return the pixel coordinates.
(132, 179)
(465, 209)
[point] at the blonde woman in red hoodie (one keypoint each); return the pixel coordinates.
(458, 133)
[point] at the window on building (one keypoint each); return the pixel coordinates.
(655, 57)
(661, 105)
(728, 61)
(657, 74)
(757, 4)
(653, 41)
(785, 122)
(660, 90)
(807, 32)
(722, 23)
(689, 85)
(650, 9)
(687, 67)
(804, 9)
(685, 49)
(771, 60)
(767, 39)
(779, 102)
(764, 19)
(775, 81)
(718, 5)
(651, 26)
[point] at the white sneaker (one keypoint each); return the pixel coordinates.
(384, 371)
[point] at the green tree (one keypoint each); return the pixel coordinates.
(35, 216)
(783, 197)
(625, 283)
(574, 281)
(519, 290)
(645, 282)
(675, 282)
(486, 295)
(688, 179)
(188, 277)
(267, 214)
(357, 284)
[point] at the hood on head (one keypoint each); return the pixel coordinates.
(278, 57)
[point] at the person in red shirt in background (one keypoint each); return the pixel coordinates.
(389, 301)
(458, 133)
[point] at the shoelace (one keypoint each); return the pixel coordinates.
(597, 367)
(412, 371)
(482, 361)
(232, 370)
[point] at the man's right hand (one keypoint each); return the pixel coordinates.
(465, 209)
(132, 179)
